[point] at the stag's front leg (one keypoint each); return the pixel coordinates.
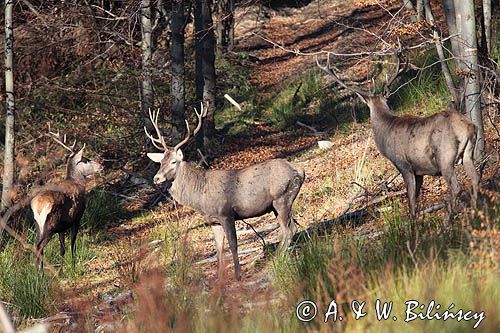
(230, 230)
(219, 236)
(411, 188)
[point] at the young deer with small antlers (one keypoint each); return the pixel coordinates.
(60, 206)
(419, 146)
(223, 196)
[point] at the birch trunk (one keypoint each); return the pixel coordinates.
(8, 160)
(440, 51)
(178, 24)
(146, 82)
(466, 23)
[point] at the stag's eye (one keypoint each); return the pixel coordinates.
(174, 161)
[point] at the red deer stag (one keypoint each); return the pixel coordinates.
(420, 146)
(60, 206)
(223, 196)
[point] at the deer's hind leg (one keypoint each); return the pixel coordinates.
(40, 245)
(471, 171)
(62, 244)
(283, 207)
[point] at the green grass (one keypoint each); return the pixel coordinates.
(27, 293)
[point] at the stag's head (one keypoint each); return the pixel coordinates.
(83, 166)
(77, 164)
(170, 159)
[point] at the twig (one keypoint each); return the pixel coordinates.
(251, 226)
(267, 228)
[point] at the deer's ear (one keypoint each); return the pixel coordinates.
(156, 157)
(363, 98)
(78, 156)
(179, 155)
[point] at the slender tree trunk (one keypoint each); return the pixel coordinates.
(486, 36)
(147, 102)
(178, 24)
(467, 30)
(449, 10)
(225, 24)
(408, 5)
(8, 160)
(420, 10)
(209, 78)
(440, 51)
(199, 37)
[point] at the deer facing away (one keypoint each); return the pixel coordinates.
(223, 196)
(419, 146)
(60, 206)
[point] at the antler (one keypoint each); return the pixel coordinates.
(200, 115)
(62, 140)
(153, 116)
(330, 72)
(396, 73)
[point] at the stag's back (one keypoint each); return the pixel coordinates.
(247, 192)
(66, 199)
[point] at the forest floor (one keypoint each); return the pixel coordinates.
(339, 180)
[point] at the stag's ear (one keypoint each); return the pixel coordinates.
(363, 98)
(78, 156)
(179, 155)
(156, 157)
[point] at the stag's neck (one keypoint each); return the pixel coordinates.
(189, 185)
(73, 175)
(381, 117)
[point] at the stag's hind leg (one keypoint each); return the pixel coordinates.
(283, 207)
(471, 171)
(40, 245)
(62, 244)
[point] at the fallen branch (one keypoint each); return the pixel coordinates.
(240, 253)
(432, 209)
(312, 129)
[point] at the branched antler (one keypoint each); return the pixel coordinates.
(160, 140)
(200, 115)
(153, 116)
(61, 139)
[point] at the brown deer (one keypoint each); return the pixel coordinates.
(223, 196)
(59, 207)
(420, 146)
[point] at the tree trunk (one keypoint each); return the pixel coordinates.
(8, 160)
(225, 25)
(199, 34)
(466, 23)
(147, 102)
(420, 10)
(486, 36)
(178, 24)
(440, 51)
(408, 5)
(449, 10)
(207, 56)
